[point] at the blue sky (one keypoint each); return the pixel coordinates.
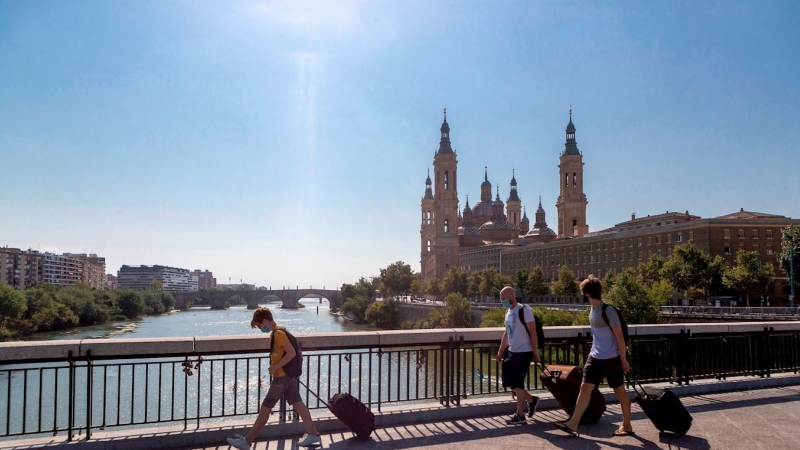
(287, 143)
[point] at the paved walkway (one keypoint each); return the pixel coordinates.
(760, 419)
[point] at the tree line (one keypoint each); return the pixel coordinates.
(43, 308)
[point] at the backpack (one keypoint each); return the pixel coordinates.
(539, 329)
(622, 323)
(294, 368)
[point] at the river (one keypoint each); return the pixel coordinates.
(204, 321)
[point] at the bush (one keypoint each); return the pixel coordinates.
(131, 304)
(458, 311)
(356, 307)
(12, 303)
(494, 317)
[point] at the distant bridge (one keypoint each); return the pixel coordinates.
(289, 298)
(729, 314)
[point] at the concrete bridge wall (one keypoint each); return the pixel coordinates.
(289, 298)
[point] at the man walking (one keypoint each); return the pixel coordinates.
(607, 358)
(520, 337)
(282, 384)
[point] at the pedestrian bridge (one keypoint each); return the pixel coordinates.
(194, 391)
(289, 298)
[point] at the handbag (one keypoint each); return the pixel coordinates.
(507, 367)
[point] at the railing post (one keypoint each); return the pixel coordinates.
(71, 393)
(767, 352)
(461, 371)
(449, 372)
(89, 379)
(681, 350)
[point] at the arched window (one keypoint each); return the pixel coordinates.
(446, 225)
(566, 179)
(445, 179)
(429, 246)
(429, 218)
(574, 179)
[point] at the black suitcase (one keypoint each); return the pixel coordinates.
(564, 382)
(664, 409)
(352, 412)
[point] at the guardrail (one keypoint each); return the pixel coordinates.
(732, 311)
(77, 387)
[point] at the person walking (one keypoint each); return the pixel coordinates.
(607, 358)
(523, 348)
(282, 384)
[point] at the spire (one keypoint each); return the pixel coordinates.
(485, 173)
(428, 189)
(466, 207)
(497, 197)
(512, 196)
(444, 143)
(570, 146)
(513, 178)
(486, 182)
(540, 220)
(525, 214)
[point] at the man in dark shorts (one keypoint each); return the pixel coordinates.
(282, 384)
(523, 349)
(607, 358)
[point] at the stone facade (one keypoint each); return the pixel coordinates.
(18, 268)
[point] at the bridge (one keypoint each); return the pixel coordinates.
(289, 298)
(178, 393)
(729, 314)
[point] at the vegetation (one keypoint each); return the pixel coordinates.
(496, 317)
(536, 284)
(457, 311)
(790, 250)
(638, 302)
(747, 275)
(566, 285)
(44, 308)
(383, 314)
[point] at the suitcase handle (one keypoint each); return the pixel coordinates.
(629, 377)
(314, 393)
(554, 374)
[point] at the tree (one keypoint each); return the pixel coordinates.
(536, 283)
(651, 271)
(748, 275)
(131, 304)
(608, 281)
(688, 269)
(434, 288)
(416, 287)
(495, 317)
(521, 282)
(458, 311)
(396, 279)
(12, 303)
(490, 283)
(474, 284)
(455, 280)
(566, 285)
(168, 301)
(790, 246)
(382, 314)
(633, 298)
(356, 307)
(156, 285)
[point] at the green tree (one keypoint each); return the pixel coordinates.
(633, 298)
(434, 288)
(382, 314)
(131, 305)
(416, 287)
(491, 283)
(455, 280)
(651, 271)
(356, 307)
(688, 269)
(521, 282)
(458, 311)
(435, 319)
(396, 279)
(566, 285)
(790, 246)
(536, 283)
(474, 284)
(12, 303)
(168, 301)
(156, 285)
(495, 317)
(748, 275)
(608, 281)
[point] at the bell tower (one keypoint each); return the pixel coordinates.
(571, 203)
(445, 206)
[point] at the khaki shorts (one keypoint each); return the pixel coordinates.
(282, 386)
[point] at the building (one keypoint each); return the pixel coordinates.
(61, 270)
(205, 280)
(172, 279)
(633, 242)
(94, 269)
(449, 237)
(111, 281)
(20, 269)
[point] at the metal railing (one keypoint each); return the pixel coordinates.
(740, 311)
(83, 391)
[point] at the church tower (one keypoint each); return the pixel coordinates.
(426, 229)
(445, 215)
(514, 204)
(571, 203)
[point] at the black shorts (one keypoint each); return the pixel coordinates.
(595, 369)
(518, 365)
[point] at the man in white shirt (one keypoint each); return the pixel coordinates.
(523, 347)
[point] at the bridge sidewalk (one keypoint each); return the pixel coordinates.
(758, 419)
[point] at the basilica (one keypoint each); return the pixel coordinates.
(446, 230)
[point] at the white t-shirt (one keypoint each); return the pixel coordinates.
(518, 339)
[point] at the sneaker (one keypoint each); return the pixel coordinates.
(516, 419)
(532, 406)
(239, 442)
(310, 440)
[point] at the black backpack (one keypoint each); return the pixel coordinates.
(622, 323)
(293, 368)
(539, 329)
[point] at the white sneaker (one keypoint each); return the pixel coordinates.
(239, 442)
(310, 440)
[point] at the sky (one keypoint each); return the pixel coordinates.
(287, 143)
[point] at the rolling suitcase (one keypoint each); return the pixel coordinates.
(352, 412)
(564, 382)
(663, 408)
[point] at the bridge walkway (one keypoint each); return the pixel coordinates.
(757, 419)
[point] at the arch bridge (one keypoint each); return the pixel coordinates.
(289, 298)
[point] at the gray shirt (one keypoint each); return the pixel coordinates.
(604, 343)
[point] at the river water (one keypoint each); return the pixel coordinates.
(196, 322)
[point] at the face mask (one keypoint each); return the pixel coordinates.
(506, 304)
(265, 329)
